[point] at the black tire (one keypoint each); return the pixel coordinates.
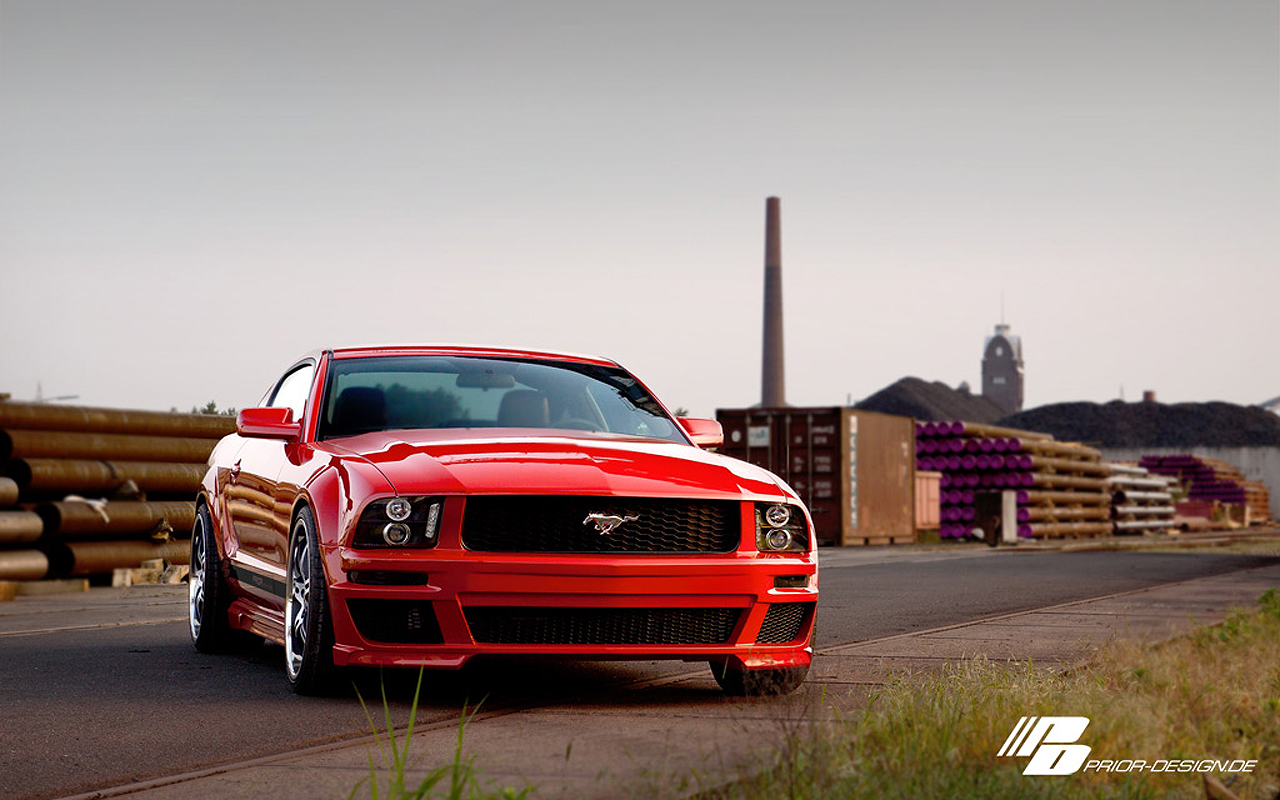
(308, 628)
(758, 682)
(208, 594)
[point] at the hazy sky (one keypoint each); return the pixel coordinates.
(194, 193)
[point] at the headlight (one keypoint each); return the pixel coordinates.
(400, 522)
(781, 528)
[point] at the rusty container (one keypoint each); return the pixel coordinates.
(853, 469)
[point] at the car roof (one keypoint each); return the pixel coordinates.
(465, 350)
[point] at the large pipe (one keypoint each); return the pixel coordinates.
(1143, 511)
(74, 444)
(1125, 481)
(76, 519)
(1056, 513)
(95, 558)
(23, 565)
(66, 475)
(50, 417)
(1068, 498)
(773, 373)
(8, 492)
(1066, 465)
(20, 526)
(1146, 524)
(960, 428)
(1068, 481)
(1065, 449)
(1054, 529)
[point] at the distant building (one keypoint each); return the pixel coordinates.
(1272, 405)
(1002, 369)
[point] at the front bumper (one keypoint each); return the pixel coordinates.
(748, 609)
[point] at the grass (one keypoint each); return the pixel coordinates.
(1213, 694)
(456, 780)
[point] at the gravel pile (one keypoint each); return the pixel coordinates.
(931, 402)
(1120, 424)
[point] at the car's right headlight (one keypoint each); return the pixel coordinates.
(400, 522)
(781, 528)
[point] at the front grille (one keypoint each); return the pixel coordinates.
(396, 621)
(538, 524)
(505, 625)
(782, 622)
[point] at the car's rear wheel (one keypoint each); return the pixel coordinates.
(308, 634)
(208, 594)
(737, 682)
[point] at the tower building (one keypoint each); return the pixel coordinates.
(1002, 369)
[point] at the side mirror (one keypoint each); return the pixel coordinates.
(268, 423)
(703, 432)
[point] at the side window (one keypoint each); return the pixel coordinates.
(293, 390)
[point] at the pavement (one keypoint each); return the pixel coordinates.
(670, 735)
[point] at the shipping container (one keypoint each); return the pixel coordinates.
(854, 469)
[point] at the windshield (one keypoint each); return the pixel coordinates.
(398, 392)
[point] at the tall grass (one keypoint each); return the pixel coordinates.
(1213, 694)
(457, 780)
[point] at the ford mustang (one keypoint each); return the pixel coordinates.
(420, 506)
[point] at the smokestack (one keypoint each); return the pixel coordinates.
(773, 373)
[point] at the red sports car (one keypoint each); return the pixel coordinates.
(417, 506)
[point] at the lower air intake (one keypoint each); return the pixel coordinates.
(505, 625)
(783, 622)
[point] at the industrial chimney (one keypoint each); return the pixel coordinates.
(773, 374)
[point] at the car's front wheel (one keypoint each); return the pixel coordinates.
(308, 634)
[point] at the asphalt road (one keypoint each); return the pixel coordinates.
(113, 703)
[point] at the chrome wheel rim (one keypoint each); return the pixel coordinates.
(296, 602)
(196, 577)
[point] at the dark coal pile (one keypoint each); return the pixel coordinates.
(1120, 424)
(931, 402)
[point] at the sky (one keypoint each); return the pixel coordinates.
(192, 194)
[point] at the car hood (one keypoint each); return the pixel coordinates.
(474, 461)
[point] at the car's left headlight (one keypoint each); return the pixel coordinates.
(781, 528)
(400, 522)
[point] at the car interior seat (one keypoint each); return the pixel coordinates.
(358, 409)
(524, 408)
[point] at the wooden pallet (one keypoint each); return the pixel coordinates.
(863, 541)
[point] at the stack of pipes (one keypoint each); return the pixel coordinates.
(1140, 501)
(86, 491)
(1061, 487)
(1212, 481)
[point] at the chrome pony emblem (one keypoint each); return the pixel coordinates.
(607, 523)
